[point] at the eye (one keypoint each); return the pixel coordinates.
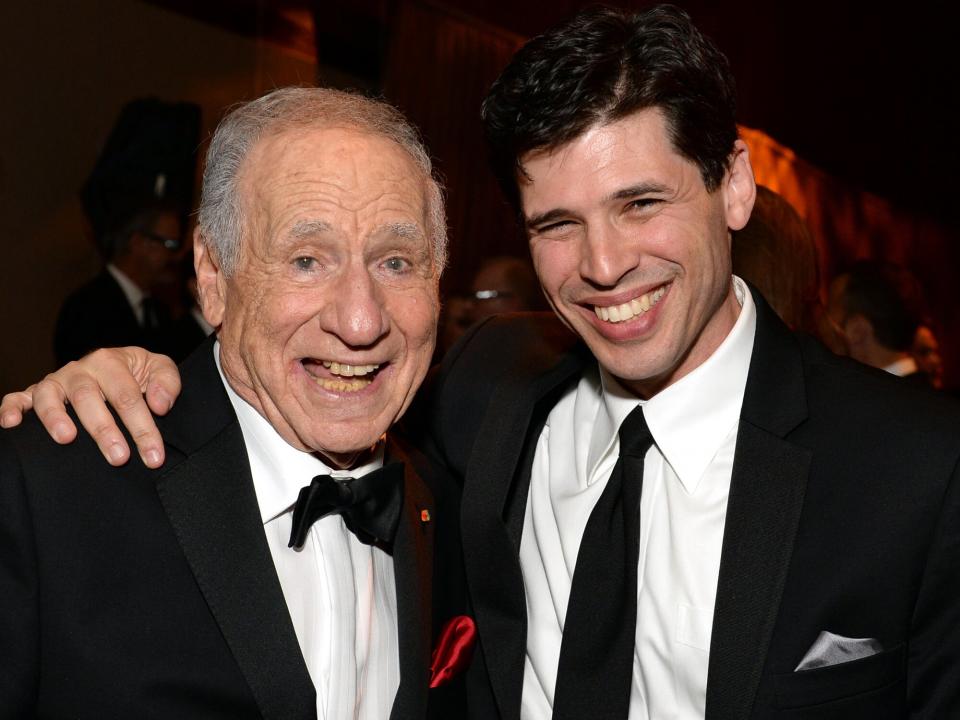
(305, 263)
(396, 264)
(643, 204)
(554, 228)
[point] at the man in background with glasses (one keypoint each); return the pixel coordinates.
(117, 307)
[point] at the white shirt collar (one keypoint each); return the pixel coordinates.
(130, 289)
(280, 470)
(903, 366)
(691, 418)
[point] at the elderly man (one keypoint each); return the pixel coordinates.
(214, 586)
(664, 514)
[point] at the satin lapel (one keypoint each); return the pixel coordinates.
(766, 498)
(211, 504)
(413, 571)
(493, 568)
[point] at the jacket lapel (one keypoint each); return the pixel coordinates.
(211, 504)
(491, 492)
(413, 572)
(766, 498)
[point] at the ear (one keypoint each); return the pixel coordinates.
(739, 187)
(858, 330)
(211, 283)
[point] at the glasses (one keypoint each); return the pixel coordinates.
(169, 243)
(489, 294)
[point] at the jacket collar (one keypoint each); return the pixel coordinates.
(494, 502)
(207, 493)
(763, 512)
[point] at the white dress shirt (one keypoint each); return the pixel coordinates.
(902, 367)
(686, 483)
(340, 593)
(130, 289)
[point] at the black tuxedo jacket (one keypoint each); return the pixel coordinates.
(843, 515)
(132, 593)
(98, 315)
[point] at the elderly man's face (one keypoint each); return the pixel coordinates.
(632, 251)
(329, 322)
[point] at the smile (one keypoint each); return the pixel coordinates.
(629, 310)
(341, 377)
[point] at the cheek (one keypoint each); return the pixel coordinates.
(555, 264)
(416, 315)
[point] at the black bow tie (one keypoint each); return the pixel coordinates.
(370, 505)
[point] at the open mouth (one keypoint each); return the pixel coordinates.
(632, 308)
(341, 377)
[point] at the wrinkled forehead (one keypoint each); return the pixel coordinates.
(356, 165)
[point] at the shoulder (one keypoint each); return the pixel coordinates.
(879, 413)
(58, 477)
(502, 344)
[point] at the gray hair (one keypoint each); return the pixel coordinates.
(221, 220)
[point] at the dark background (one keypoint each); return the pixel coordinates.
(866, 93)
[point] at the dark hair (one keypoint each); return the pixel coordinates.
(889, 297)
(602, 66)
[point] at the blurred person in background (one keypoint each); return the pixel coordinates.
(776, 253)
(136, 201)
(873, 313)
(502, 284)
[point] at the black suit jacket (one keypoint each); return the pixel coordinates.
(98, 315)
(132, 593)
(843, 515)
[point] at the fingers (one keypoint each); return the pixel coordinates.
(121, 374)
(158, 374)
(75, 383)
(14, 405)
(117, 376)
(162, 382)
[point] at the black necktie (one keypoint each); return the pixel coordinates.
(370, 505)
(595, 669)
(151, 314)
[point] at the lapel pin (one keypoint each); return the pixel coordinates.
(424, 516)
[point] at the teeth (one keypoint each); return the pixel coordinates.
(628, 310)
(342, 385)
(345, 370)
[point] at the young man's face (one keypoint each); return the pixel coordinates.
(632, 250)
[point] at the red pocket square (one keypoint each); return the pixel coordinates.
(453, 651)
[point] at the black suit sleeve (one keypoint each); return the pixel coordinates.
(933, 671)
(19, 592)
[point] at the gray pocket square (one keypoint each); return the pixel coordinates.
(829, 649)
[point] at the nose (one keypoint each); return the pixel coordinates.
(607, 255)
(357, 314)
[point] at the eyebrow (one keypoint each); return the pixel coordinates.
(644, 188)
(404, 230)
(305, 228)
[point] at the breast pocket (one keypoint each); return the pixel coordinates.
(835, 682)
